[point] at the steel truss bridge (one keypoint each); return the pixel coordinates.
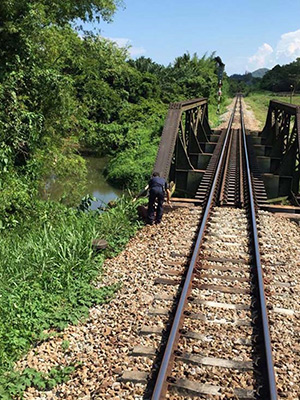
(188, 144)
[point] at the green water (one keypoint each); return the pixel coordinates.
(95, 185)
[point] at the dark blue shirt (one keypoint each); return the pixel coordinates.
(158, 183)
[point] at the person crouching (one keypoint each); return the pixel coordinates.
(158, 187)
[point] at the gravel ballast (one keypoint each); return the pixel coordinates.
(104, 343)
(280, 247)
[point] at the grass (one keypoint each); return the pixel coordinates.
(259, 102)
(47, 267)
(214, 118)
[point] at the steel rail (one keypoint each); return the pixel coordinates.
(241, 172)
(224, 181)
(161, 385)
(265, 322)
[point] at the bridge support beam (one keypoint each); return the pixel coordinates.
(186, 145)
(278, 149)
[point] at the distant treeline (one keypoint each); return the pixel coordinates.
(285, 78)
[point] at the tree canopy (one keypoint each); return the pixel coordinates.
(61, 89)
(280, 78)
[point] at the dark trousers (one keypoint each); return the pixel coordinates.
(155, 195)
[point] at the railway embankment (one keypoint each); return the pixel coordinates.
(279, 242)
(221, 346)
(102, 346)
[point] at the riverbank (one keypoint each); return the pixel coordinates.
(47, 269)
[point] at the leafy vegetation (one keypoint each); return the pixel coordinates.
(285, 78)
(243, 83)
(46, 270)
(188, 77)
(44, 70)
(16, 382)
(282, 78)
(58, 87)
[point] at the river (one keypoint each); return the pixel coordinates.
(95, 185)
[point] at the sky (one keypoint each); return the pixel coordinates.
(246, 34)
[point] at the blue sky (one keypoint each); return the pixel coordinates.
(246, 34)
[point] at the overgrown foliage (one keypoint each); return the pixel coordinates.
(56, 84)
(42, 83)
(47, 267)
(188, 77)
(283, 78)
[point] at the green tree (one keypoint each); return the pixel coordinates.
(39, 102)
(280, 78)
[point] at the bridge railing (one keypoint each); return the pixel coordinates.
(282, 133)
(185, 133)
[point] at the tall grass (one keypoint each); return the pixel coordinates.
(214, 118)
(259, 102)
(46, 272)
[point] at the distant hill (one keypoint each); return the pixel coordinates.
(259, 73)
(247, 81)
(247, 76)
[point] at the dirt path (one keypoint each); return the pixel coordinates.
(251, 123)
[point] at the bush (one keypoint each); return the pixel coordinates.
(132, 167)
(16, 197)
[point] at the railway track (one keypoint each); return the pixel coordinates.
(219, 347)
(218, 343)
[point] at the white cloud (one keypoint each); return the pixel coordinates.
(136, 51)
(133, 50)
(262, 57)
(288, 46)
(121, 42)
(287, 49)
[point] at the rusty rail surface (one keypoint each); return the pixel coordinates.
(162, 384)
(261, 291)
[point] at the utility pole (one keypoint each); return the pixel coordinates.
(221, 67)
(291, 94)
